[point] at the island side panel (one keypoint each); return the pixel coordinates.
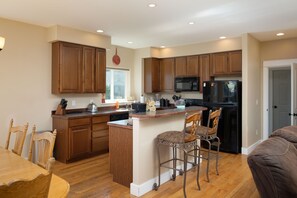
(145, 131)
(120, 149)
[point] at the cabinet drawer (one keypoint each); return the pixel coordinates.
(101, 133)
(100, 126)
(79, 122)
(100, 119)
(100, 144)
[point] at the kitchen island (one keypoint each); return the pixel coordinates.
(146, 127)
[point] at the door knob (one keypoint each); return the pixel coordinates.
(294, 114)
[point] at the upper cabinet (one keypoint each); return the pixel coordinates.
(151, 75)
(100, 71)
(167, 74)
(187, 66)
(204, 62)
(226, 63)
(77, 68)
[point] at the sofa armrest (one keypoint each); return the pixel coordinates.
(273, 164)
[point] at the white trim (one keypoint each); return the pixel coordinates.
(266, 66)
(248, 150)
(139, 190)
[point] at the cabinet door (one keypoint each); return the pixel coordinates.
(167, 74)
(88, 69)
(70, 68)
(204, 69)
(79, 141)
(180, 66)
(151, 75)
(219, 63)
(100, 71)
(235, 62)
(193, 66)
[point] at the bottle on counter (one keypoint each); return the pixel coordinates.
(142, 99)
(117, 105)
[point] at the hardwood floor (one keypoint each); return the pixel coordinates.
(91, 178)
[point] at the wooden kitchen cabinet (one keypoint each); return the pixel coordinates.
(226, 63)
(235, 62)
(79, 137)
(73, 139)
(100, 71)
(88, 69)
(100, 135)
(180, 66)
(67, 60)
(187, 66)
(193, 65)
(77, 68)
(204, 62)
(151, 75)
(167, 74)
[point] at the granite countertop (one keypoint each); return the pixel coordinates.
(121, 124)
(168, 112)
(81, 114)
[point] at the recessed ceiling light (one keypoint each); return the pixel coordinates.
(222, 37)
(100, 31)
(191, 23)
(152, 5)
(130, 42)
(162, 46)
(280, 34)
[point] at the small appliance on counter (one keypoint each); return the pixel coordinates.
(164, 102)
(92, 107)
(139, 107)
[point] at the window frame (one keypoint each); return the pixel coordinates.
(127, 85)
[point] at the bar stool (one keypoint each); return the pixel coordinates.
(183, 141)
(209, 134)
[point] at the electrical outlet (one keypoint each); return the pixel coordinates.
(73, 103)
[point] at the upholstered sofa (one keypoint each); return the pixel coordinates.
(273, 164)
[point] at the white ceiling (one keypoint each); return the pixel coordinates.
(166, 24)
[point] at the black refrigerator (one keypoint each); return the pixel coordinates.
(227, 95)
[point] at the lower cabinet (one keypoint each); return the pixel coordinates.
(79, 141)
(100, 133)
(79, 138)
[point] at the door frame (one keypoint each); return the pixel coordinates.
(267, 65)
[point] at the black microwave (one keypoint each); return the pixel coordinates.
(186, 84)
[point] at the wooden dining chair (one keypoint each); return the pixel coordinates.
(20, 135)
(37, 187)
(45, 142)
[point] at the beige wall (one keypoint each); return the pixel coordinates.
(251, 91)
(202, 48)
(279, 49)
(25, 64)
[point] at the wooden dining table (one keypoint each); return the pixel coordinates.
(14, 167)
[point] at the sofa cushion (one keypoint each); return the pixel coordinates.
(289, 133)
(273, 164)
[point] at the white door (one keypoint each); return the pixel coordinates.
(294, 94)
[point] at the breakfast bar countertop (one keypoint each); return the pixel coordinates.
(167, 112)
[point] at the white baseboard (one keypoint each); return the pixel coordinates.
(248, 150)
(139, 190)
